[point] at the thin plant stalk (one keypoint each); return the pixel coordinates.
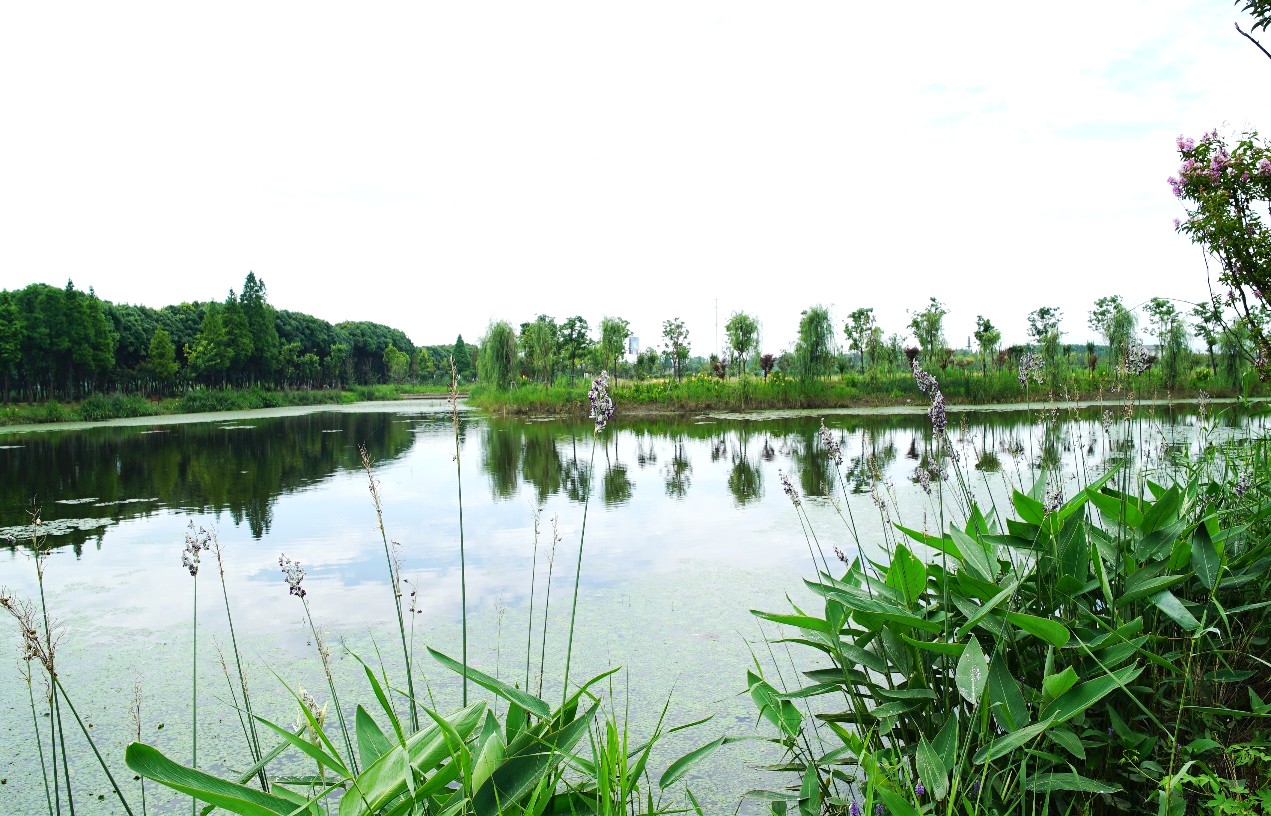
(529, 635)
(395, 580)
(547, 601)
(58, 734)
(39, 744)
(578, 572)
(91, 744)
(463, 563)
(194, 693)
(335, 697)
(253, 738)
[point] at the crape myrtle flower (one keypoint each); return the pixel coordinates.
(601, 402)
(293, 574)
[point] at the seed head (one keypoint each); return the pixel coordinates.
(788, 487)
(196, 541)
(831, 444)
(293, 574)
(601, 402)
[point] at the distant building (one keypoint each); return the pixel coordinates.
(633, 346)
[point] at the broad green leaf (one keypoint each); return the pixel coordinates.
(1168, 603)
(1009, 709)
(1069, 741)
(1047, 782)
(1079, 698)
(1056, 684)
(519, 775)
(1116, 509)
(152, 764)
(974, 557)
(676, 771)
(315, 753)
(937, 647)
(907, 575)
(424, 751)
(490, 757)
(1050, 631)
(1205, 559)
(972, 672)
(944, 545)
(1162, 511)
(779, 712)
(946, 742)
(810, 792)
(805, 622)
(1028, 508)
(894, 709)
(371, 742)
(526, 701)
(931, 770)
(985, 609)
(1145, 587)
(895, 804)
(1004, 745)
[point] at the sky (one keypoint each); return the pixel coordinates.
(434, 166)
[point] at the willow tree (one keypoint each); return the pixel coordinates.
(496, 361)
(815, 347)
(858, 329)
(1116, 324)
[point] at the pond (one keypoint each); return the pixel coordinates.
(688, 527)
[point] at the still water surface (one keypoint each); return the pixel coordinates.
(687, 528)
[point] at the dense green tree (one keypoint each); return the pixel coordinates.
(614, 332)
(366, 342)
(814, 349)
(238, 339)
(261, 362)
(742, 331)
(858, 329)
(396, 364)
(161, 360)
(1171, 337)
(496, 365)
(575, 342)
(10, 343)
(462, 360)
(1116, 324)
(335, 366)
(539, 341)
(677, 345)
(1043, 327)
(210, 356)
(987, 336)
(927, 326)
(1209, 325)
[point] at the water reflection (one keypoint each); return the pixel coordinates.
(83, 482)
(88, 481)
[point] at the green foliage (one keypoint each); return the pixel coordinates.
(814, 350)
(742, 332)
(1084, 653)
(613, 338)
(987, 336)
(575, 342)
(539, 341)
(496, 365)
(677, 345)
(161, 361)
(928, 329)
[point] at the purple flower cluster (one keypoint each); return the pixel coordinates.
(831, 444)
(1243, 484)
(920, 790)
(601, 402)
(196, 541)
(293, 574)
(927, 384)
(788, 487)
(1264, 167)
(1136, 361)
(1054, 499)
(854, 809)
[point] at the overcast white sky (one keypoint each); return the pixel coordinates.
(435, 165)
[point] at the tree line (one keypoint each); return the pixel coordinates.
(65, 343)
(1155, 337)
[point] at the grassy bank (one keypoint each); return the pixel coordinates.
(202, 400)
(706, 393)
